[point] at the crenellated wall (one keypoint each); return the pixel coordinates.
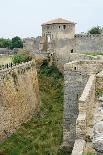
(88, 43)
(19, 96)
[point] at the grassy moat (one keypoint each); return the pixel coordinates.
(43, 134)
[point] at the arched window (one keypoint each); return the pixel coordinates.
(64, 26)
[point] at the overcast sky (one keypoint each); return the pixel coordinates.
(24, 17)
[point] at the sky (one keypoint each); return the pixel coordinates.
(24, 17)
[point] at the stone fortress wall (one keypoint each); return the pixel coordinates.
(81, 79)
(80, 103)
(6, 51)
(98, 117)
(19, 96)
(66, 50)
(84, 122)
(59, 38)
(89, 43)
(76, 75)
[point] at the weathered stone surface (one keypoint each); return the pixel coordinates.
(79, 147)
(98, 115)
(19, 96)
(98, 137)
(79, 100)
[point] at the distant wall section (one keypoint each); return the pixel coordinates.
(88, 43)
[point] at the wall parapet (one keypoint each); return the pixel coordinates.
(87, 35)
(19, 67)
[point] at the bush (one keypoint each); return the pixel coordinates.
(50, 70)
(19, 58)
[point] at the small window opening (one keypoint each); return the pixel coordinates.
(75, 68)
(77, 96)
(72, 51)
(64, 26)
(59, 26)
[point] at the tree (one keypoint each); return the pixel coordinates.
(5, 43)
(17, 42)
(95, 30)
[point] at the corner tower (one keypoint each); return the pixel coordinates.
(58, 29)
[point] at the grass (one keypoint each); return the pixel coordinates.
(99, 93)
(93, 53)
(88, 153)
(42, 135)
(5, 59)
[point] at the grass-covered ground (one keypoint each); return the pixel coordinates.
(5, 59)
(43, 134)
(93, 53)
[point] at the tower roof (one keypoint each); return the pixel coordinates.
(58, 21)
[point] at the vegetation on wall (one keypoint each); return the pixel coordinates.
(43, 135)
(19, 58)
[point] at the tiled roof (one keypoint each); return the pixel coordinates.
(58, 21)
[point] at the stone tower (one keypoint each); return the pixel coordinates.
(58, 29)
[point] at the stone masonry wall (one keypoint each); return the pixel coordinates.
(88, 43)
(99, 81)
(67, 50)
(31, 44)
(19, 97)
(61, 57)
(84, 122)
(76, 75)
(98, 116)
(75, 81)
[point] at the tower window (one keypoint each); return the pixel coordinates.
(59, 26)
(72, 51)
(64, 26)
(75, 68)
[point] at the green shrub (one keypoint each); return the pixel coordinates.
(19, 58)
(50, 70)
